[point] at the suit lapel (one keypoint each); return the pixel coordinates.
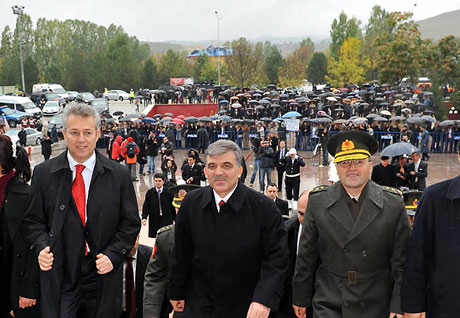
(371, 207)
(93, 204)
(338, 208)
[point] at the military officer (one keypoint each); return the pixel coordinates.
(156, 303)
(353, 241)
(292, 163)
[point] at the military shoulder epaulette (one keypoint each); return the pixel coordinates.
(165, 228)
(319, 189)
(392, 190)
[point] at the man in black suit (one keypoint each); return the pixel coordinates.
(279, 164)
(135, 265)
(294, 228)
(158, 206)
(193, 172)
(418, 171)
(384, 174)
(272, 191)
(230, 255)
(82, 231)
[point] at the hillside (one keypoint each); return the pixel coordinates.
(439, 26)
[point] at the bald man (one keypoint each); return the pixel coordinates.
(294, 228)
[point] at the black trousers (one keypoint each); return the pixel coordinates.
(80, 301)
(280, 172)
(292, 188)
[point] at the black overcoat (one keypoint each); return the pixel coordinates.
(431, 277)
(151, 209)
(224, 261)
(111, 228)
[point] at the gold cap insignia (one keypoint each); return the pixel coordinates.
(415, 202)
(348, 145)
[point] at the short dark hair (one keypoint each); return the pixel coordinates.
(159, 175)
(271, 185)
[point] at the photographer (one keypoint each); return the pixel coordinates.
(267, 156)
(292, 163)
(256, 150)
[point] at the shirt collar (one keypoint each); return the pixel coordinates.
(161, 189)
(217, 198)
(89, 164)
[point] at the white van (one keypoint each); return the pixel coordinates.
(55, 88)
(21, 104)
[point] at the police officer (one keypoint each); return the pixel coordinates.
(156, 302)
(292, 163)
(353, 242)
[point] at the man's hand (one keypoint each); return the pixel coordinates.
(300, 312)
(412, 173)
(178, 305)
(416, 315)
(257, 310)
(393, 315)
(26, 302)
(190, 180)
(144, 222)
(103, 264)
(45, 259)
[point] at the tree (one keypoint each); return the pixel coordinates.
(172, 64)
(402, 53)
(445, 61)
(273, 60)
(317, 68)
(350, 67)
(243, 64)
(294, 70)
(376, 26)
(341, 30)
(149, 74)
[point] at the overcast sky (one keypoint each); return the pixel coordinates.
(178, 20)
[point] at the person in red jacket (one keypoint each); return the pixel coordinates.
(116, 147)
(129, 151)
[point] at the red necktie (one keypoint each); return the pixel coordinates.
(221, 202)
(129, 289)
(78, 192)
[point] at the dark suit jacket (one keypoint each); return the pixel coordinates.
(420, 175)
(196, 172)
(224, 261)
(278, 163)
(144, 253)
(282, 206)
(111, 228)
(384, 175)
(151, 210)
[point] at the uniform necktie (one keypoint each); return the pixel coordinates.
(159, 202)
(79, 196)
(129, 289)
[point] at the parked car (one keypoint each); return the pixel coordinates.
(85, 97)
(72, 95)
(52, 108)
(55, 120)
(116, 94)
(13, 117)
(101, 105)
(34, 137)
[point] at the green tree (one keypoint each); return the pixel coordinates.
(198, 67)
(350, 67)
(317, 68)
(172, 64)
(149, 74)
(273, 60)
(294, 70)
(342, 29)
(243, 64)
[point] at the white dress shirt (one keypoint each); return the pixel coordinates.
(217, 198)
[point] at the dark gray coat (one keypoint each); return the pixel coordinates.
(112, 226)
(347, 269)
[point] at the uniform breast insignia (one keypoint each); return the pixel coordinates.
(392, 190)
(319, 189)
(165, 228)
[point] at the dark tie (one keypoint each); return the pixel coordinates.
(281, 153)
(159, 202)
(79, 196)
(129, 289)
(221, 203)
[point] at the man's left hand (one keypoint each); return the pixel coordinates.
(257, 310)
(412, 173)
(26, 302)
(393, 315)
(103, 264)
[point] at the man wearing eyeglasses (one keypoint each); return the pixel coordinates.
(352, 247)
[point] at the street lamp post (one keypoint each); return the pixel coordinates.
(19, 10)
(218, 47)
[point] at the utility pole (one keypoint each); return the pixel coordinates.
(19, 10)
(218, 47)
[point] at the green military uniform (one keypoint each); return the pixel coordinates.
(351, 255)
(156, 275)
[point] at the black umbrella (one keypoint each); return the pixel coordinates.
(265, 119)
(205, 119)
(190, 119)
(118, 113)
(398, 149)
(260, 107)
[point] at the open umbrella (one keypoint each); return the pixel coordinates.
(148, 120)
(331, 99)
(264, 101)
(415, 120)
(322, 120)
(359, 120)
(165, 119)
(225, 118)
(260, 107)
(394, 118)
(178, 121)
(385, 113)
(235, 97)
(428, 118)
(380, 118)
(190, 119)
(278, 119)
(222, 111)
(291, 114)
(169, 114)
(399, 149)
(206, 119)
(372, 116)
(253, 101)
(180, 116)
(236, 105)
(339, 121)
(224, 101)
(446, 123)
(266, 119)
(214, 117)
(118, 113)
(124, 120)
